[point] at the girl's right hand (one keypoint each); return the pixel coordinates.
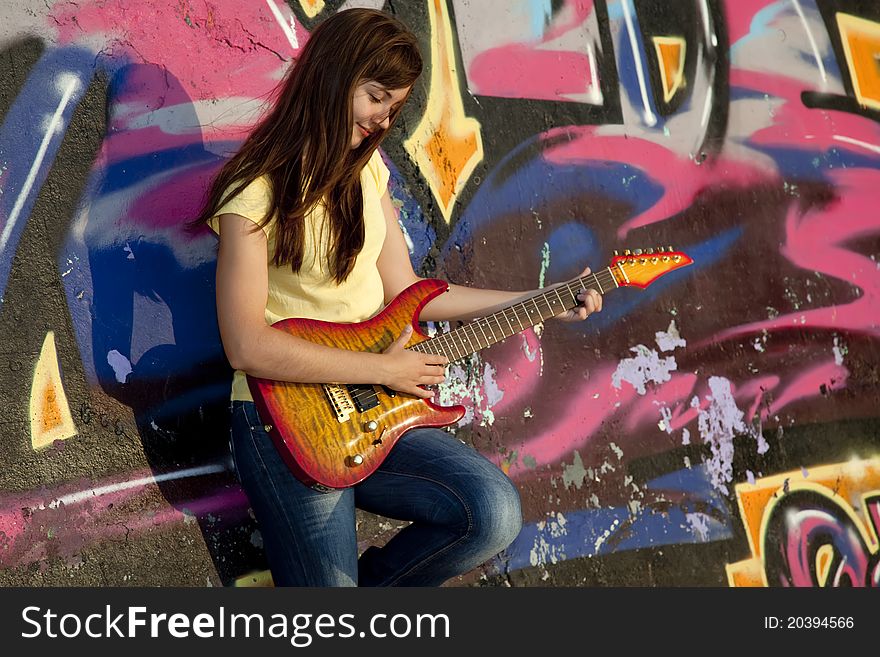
(406, 371)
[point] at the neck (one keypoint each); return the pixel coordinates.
(513, 319)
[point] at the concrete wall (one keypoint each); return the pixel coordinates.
(717, 428)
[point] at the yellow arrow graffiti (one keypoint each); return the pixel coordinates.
(49, 411)
(861, 46)
(446, 145)
(670, 57)
(312, 7)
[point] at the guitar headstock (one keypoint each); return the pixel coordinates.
(641, 267)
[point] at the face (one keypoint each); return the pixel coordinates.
(372, 104)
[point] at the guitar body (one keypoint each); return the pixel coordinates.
(334, 436)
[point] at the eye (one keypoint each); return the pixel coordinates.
(374, 99)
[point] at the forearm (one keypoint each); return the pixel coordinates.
(462, 303)
(270, 353)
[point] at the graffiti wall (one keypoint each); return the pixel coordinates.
(718, 427)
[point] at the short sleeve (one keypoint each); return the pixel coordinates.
(253, 202)
(379, 173)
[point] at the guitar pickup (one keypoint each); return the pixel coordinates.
(364, 397)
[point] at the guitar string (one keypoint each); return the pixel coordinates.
(578, 284)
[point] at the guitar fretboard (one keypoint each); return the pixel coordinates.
(481, 333)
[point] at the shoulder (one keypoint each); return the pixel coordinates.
(253, 202)
(377, 172)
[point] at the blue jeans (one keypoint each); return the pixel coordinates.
(463, 509)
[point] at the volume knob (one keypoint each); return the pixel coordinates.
(357, 459)
(371, 426)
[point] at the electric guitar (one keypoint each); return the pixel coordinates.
(336, 435)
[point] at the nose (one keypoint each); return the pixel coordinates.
(383, 121)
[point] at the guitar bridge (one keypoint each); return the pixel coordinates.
(340, 400)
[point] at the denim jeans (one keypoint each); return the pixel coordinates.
(463, 509)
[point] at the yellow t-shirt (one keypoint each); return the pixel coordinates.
(312, 293)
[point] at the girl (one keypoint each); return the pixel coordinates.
(307, 229)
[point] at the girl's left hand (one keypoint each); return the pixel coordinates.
(590, 302)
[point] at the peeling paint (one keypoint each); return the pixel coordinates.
(605, 535)
(839, 350)
(699, 523)
(545, 263)
(718, 425)
(120, 364)
(646, 367)
(549, 551)
(574, 474)
(670, 339)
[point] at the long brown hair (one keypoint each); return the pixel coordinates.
(303, 144)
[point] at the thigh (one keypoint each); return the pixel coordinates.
(432, 476)
(309, 536)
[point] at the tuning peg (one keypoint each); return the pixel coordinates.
(671, 249)
(627, 252)
(649, 251)
(637, 252)
(616, 253)
(661, 249)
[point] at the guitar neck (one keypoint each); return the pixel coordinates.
(541, 306)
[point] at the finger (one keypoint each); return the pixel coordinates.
(421, 392)
(433, 373)
(402, 339)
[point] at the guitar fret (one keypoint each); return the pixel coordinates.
(549, 305)
(561, 302)
(454, 344)
(479, 324)
(516, 317)
(465, 341)
(440, 340)
(504, 314)
(474, 326)
(613, 277)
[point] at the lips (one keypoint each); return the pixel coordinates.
(364, 131)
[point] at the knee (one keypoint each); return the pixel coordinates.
(497, 518)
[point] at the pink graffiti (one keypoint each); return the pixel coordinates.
(820, 128)
(592, 404)
(815, 241)
(807, 385)
(801, 523)
(518, 71)
(645, 409)
(539, 70)
(682, 179)
(800, 537)
(519, 368)
(216, 49)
